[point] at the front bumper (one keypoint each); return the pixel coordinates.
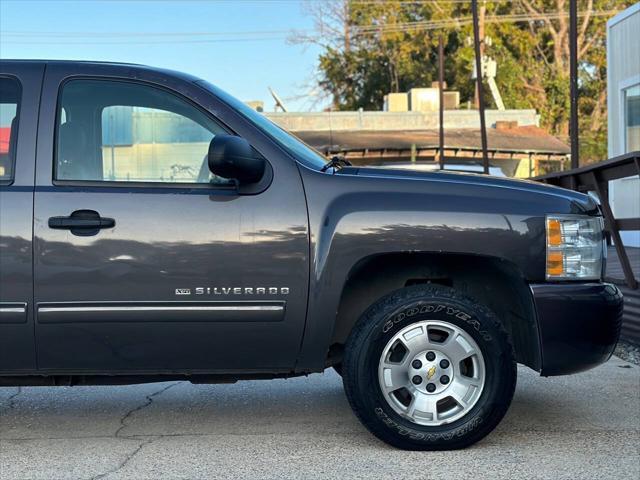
(579, 325)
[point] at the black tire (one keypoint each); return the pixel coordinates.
(380, 323)
(338, 368)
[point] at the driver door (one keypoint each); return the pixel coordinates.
(181, 273)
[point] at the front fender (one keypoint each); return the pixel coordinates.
(352, 218)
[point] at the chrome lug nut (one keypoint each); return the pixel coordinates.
(444, 379)
(431, 356)
(431, 387)
(417, 380)
(416, 364)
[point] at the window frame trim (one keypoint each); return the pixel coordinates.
(14, 161)
(625, 115)
(623, 86)
(133, 184)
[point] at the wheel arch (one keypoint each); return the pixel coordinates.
(490, 280)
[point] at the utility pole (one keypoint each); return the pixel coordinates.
(483, 125)
(573, 79)
(483, 11)
(441, 93)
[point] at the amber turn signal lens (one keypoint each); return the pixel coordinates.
(575, 247)
(554, 232)
(555, 263)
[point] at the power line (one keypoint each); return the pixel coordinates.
(460, 21)
(157, 38)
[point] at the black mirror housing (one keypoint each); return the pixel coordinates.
(233, 158)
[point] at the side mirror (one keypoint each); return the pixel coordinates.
(232, 157)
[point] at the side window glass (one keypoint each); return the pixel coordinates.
(632, 118)
(9, 111)
(111, 131)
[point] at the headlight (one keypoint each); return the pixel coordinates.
(575, 247)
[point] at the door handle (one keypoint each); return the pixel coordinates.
(83, 223)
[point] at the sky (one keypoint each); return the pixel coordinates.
(239, 45)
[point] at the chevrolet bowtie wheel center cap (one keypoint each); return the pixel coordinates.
(431, 371)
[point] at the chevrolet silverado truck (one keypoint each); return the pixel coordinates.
(154, 228)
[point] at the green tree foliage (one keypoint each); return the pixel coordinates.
(373, 48)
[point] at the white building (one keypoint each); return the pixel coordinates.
(623, 93)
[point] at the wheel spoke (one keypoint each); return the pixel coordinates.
(458, 348)
(394, 375)
(415, 340)
(459, 389)
(423, 404)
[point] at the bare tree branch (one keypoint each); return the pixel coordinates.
(535, 12)
(534, 88)
(586, 46)
(585, 22)
(436, 6)
(330, 24)
(598, 111)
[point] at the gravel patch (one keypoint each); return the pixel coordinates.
(628, 352)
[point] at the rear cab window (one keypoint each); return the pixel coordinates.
(10, 94)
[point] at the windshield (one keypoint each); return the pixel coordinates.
(296, 148)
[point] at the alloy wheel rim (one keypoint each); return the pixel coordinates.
(432, 372)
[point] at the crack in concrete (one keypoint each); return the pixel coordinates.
(148, 402)
(126, 460)
(123, 424)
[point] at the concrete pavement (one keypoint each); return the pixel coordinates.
(582, 426)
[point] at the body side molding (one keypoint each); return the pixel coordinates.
(92, 312)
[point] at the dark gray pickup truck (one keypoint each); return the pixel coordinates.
(155, 228)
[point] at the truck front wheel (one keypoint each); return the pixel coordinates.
(427, 368)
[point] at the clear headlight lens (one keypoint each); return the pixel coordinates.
(575, 247)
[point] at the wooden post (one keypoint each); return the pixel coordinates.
(573, 79)
(615, 234)
(483, 126)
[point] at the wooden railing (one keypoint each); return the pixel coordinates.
(595, 178)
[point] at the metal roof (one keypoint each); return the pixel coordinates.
(520, 140)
